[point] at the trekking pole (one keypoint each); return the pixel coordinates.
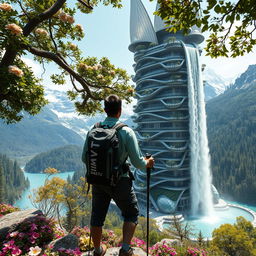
(148, 188)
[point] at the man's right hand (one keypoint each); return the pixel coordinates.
(150, 162)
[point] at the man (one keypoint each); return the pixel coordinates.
(123, 193)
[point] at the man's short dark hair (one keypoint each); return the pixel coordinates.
(112, 105)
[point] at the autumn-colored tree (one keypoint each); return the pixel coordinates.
(231, 23)
(47, 30)
(58, 198)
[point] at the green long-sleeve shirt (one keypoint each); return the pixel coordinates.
(128, 146)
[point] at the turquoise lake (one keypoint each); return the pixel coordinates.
(36, 180)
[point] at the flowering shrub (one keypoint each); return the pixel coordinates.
(196, 252)
(162, 249)
(14, 29)
(109, 238)
(136, 242)
(79, 231)
(6, 208)
(37, 231)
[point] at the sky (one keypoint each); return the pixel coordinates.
(107, 34)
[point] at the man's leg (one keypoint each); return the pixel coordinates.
(126, 200)
(100, 204)
(96, 233)
(128, 231)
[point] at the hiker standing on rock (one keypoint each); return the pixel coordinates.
(105, 153)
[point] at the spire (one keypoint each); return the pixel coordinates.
(141, 29)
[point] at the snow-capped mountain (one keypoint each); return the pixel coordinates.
(214, 84)
(65, 110)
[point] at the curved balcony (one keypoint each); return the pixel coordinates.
(138, 118)
(149, 61)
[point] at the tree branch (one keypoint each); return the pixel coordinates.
(59, 60)
(85, 4)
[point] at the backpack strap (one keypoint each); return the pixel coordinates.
(118, 126)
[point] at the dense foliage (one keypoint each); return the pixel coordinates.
(231, 23)
(64, 159)
(47, 30)
(14, 180)
(232, 140)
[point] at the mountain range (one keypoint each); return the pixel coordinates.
(59, 125)
(232, 138)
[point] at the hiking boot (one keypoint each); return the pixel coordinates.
(122, 252)
(103, 251)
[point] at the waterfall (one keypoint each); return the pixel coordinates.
(201, 196)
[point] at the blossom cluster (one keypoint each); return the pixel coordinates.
(15, 71)
(5, 7)
(6, 208)
(162, 249)
(41, 32)
(66, 18)
(196, 252)
(136, 242)
(36, 231)
(14, 29)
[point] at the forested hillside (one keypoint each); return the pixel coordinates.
(64, 159)
(232, 139)
(12, 180)
(35, 134)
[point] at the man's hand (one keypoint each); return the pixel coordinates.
(150, 162)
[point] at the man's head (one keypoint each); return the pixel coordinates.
(113, 105)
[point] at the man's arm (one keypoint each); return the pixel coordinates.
(135, 154)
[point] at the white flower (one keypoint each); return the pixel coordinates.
(6, 7)
(15, 70)
(15, 29)
(33, 251)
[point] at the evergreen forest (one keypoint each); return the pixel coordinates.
(64, 159)
(232, 140)
(12, 180)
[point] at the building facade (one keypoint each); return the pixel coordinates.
(162, 111)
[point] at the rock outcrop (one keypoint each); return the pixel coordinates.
(10, 221)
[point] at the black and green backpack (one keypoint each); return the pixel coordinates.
(102, 155)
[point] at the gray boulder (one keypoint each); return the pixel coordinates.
(69, 241)
(171, 242)
(10, 221)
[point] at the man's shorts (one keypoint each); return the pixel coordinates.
(122, 194)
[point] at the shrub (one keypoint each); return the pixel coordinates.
(162, 249)
(6, 208)
(38, 231)
(196, 252)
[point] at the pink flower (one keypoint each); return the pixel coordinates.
(41, 32)
(16, 251)
(33, 251)
(6, 7)
(63, 16)
(15, 70)
(70, 19)
(15, 29)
